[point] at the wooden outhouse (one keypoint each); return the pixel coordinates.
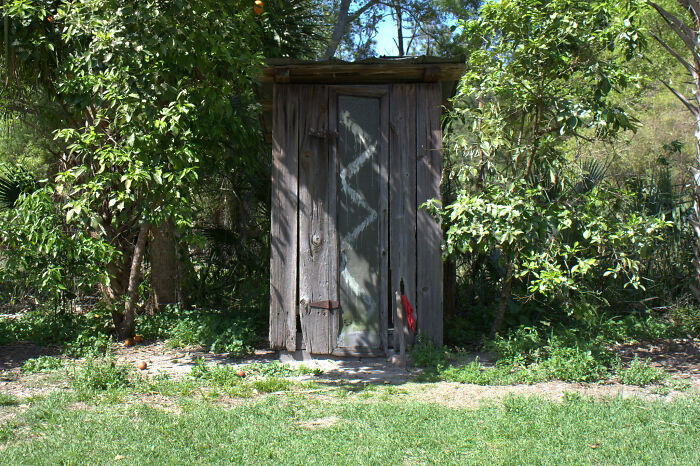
(356, 150)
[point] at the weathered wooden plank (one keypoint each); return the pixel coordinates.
(356, 73)
(401, 325)
(402, 196)
(429, 232)
(283, 221)
(333, 246)
(313, 217)
(384, 293)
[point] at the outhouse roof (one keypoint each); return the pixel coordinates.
(382, 70)
(368, 71)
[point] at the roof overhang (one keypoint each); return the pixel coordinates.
(369, 71)
(383, 70)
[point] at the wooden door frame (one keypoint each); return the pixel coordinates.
(382, 93)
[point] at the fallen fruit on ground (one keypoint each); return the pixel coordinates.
(142, 365)
(128, 342)
(240, 374)
(138, 338)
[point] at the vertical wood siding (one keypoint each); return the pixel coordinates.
(283, 221)
(402, 193)
(304, 249)
(313, 219)
(429, 232)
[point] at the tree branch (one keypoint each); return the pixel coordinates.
(693, 7)
(693, 109)
(687, 35)
(691, 69)
(344, 18)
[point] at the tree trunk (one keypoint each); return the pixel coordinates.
(695, 223)
(449, 287)
(125, 323)
(338, 30)
(689, 37)
(164, 266)
(399, 27)
(505, 297)
(344, 18)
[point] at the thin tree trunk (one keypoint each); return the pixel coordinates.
(341, 25)
(449, 286)
(505, 297)
(164, 265)
(535, 142)
(399, 27)
(125, 327)
(695, 223)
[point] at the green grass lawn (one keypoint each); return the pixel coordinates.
(278, 429)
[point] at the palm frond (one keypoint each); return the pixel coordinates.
(14, 181)
(592, 173)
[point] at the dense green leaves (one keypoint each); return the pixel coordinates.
(542, 78)
(144, 96)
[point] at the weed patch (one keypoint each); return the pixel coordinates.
(42, 364)
(641, 373)
(529, 356)
(217, 331)
(101, 374)
(8, 400)
(272, 384)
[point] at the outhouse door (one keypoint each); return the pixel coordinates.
(343, 230)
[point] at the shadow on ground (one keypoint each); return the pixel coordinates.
(678, 357)
(13, 356)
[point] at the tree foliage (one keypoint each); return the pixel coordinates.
(422, 26)
(145, 94)
(539, 75)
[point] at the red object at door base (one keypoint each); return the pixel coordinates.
(409, 313)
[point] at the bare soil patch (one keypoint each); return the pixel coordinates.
(14, 355)
(322, 423)
(680, 358)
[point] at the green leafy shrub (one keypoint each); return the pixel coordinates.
(80, 334)
(521, 345)
(44, 253)
(42, 364)
(574, 365)
(472, 373)
(102, 374)
(426, 355)
(218, 331)
(686, 319)
(641, 373)
(475, 373)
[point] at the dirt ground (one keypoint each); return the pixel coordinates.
(681, 358)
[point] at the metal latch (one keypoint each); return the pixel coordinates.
(322, 133)
(327, 304)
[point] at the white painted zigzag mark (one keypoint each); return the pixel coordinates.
(352, 169)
